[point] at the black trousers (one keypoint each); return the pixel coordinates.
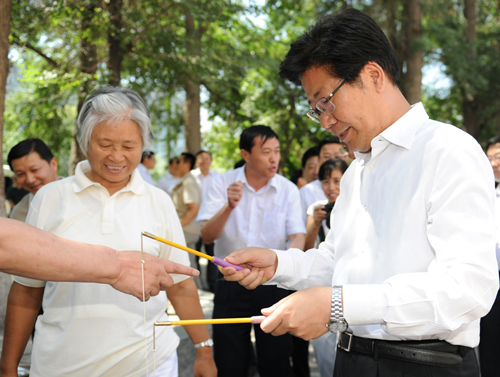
(489, 343)
(351, 364)
(231, 342)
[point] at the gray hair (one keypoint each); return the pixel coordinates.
(113, 104)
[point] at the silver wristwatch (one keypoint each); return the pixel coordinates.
(337, 323)
(206, 343)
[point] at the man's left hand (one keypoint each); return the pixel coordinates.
(304, 314)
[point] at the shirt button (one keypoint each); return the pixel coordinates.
(371, 167)
(366, 208)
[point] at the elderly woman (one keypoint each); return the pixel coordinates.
(90, 329)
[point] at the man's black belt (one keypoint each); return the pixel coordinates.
(431, 352)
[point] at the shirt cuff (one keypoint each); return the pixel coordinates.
(285, 263)
(363, 304)
(27, 282)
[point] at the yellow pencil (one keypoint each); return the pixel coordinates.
(217, 261)
(221, 321)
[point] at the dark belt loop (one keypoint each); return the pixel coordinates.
(375, 350)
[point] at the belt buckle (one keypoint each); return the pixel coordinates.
(348, 349)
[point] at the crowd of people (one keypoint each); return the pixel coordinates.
(380, 249)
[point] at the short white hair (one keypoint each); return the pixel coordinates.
(113, 104)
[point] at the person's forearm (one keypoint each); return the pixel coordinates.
(31, 252)
(312, 233)
(186, 302)
(212, 229)
(23, 305)
(297, 241)
(190, 214)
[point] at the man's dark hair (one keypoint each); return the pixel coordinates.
(147, 154)
(326, 168)
(493, 140)
(328, 140)
(311, 152)
(247, 139)
(203, 151)
(27, 146)
(173, 159)
(189, 157)
(343, 43)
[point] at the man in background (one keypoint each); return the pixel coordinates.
(251, 206)
(148, 163)
(171, 178)
(330, 147)
(34, 166)
(204, 175)
(186, 196)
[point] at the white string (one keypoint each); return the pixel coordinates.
(144, 305)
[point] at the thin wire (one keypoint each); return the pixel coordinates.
(144, 306)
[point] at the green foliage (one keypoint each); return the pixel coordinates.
(232, 49)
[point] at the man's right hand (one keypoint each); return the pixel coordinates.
(156, 274)
(260, 266)
(234, 193)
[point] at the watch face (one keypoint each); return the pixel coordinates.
(340, 326)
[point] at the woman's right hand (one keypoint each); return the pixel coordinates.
(319, 215)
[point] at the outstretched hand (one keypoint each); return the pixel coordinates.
(156, 274)
(260, 266)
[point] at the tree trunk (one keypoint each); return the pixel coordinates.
(191, 110)
(88, 66)
(117, 50)
(393, 34)
(5, 11)
(414, 60)
(192, 103)
(470, 104)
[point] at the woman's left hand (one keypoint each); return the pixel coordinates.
(204, 364)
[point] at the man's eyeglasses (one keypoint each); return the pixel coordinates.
(495, 158)
(323, 106)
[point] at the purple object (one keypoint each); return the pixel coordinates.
(223, 263)
(258, 319)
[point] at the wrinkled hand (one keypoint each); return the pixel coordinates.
(319, 215)
(303, 314)
(204, 364)
(234, 193)
(260, 266)
(156, 274)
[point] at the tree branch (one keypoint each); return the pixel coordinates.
(17, 41)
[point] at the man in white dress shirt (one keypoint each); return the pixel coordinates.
(408, 267)
(329, 147)
(251, 205)
(204, 175)
(148, 163)
(171, 178)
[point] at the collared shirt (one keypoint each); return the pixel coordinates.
(186, 192)
(146, 175)
(91, 329)
(309, 194)
(167, 183)
(203, 181)
(261, 218)
(412, 238)
(20, 210)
